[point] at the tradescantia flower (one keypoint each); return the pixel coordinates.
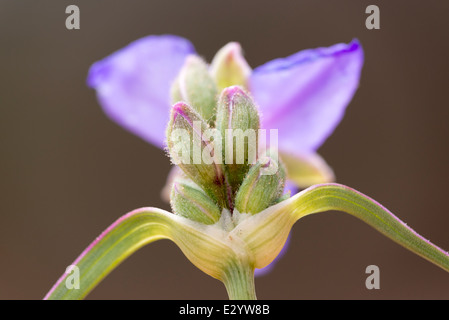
(304, 96)
(231, 215)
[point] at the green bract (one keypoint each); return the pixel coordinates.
(230, 249)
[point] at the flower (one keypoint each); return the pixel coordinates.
(230, 218)
(304, 95)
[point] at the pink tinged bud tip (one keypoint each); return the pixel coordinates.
(179, 109)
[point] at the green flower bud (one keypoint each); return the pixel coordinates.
(191, 148)
(238, 124)
(190, 201)
(261, 188)
(195, 86)
(229, 67)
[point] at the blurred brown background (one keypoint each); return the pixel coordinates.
(67, 171)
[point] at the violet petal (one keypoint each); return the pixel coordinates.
(305, 95)
(133, 84)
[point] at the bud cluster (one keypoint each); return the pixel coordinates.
(215, 138)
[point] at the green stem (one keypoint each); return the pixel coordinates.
(239, 281)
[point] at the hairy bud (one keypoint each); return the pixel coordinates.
(190, 201)
(238, 124)
(195, 86)
(192, 146)
(259, 190)
(229, 67)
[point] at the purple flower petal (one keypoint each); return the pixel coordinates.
(304, 96)
(133, 84)
(291, 187)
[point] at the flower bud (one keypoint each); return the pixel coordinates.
(261, 188)
(229, 67)
(191, 149)
(189, 201)
(195, 86)
(238, 124)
